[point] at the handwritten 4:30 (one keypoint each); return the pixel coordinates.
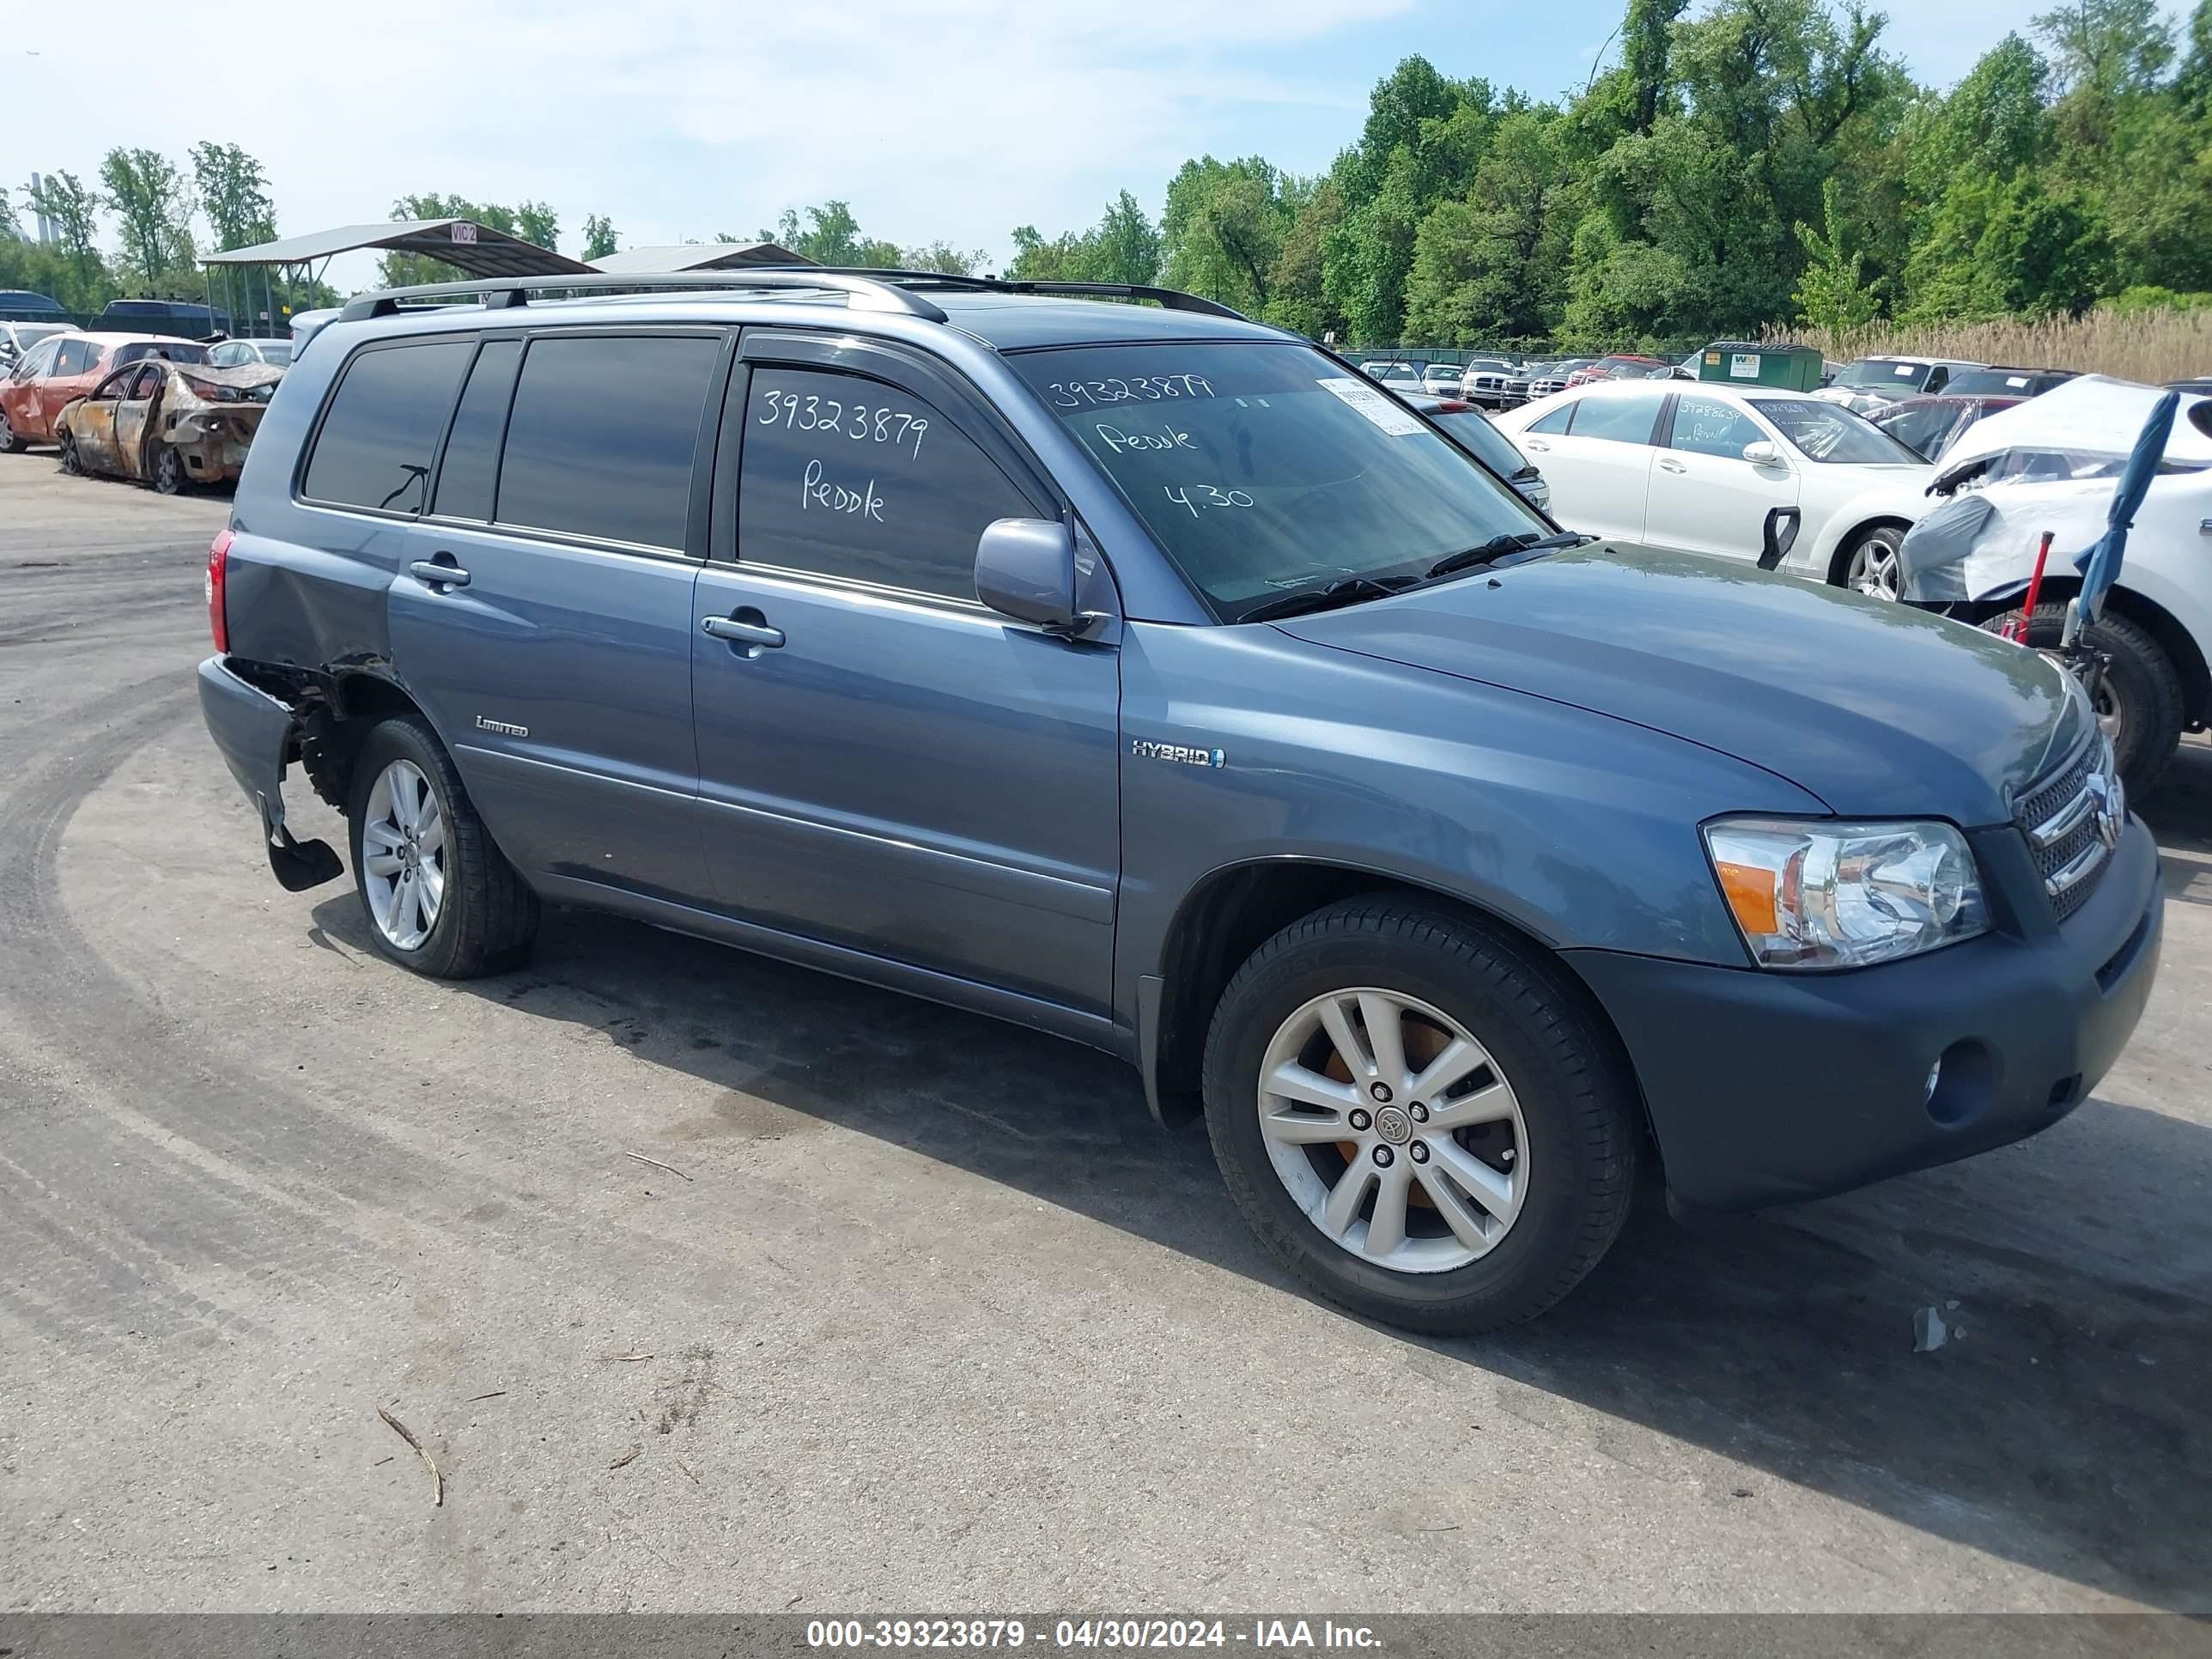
(1197, 497)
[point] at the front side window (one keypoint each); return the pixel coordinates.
(852, 478)
(115, 385)
(603, 434)
(1706, 426)
(1259, 468)
(382, 426)
(1557, 422)
(1618, 417)
(1829, 432)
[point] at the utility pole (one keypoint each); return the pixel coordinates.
(45, 226)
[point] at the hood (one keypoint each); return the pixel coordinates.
(1878, 709)
(2089, 415)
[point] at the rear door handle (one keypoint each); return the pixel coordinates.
(742, 633)
(438, 575)
(1671, 464)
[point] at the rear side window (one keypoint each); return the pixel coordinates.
(469, 471)
(76, 356)
(852, 478)
(1621, 419)
(602, 437)
(382, 426)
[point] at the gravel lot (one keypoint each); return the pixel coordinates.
(934, 1318)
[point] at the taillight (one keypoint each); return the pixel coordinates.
(1452, 406)
(218, 568)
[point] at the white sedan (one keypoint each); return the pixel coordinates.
(1696, 468)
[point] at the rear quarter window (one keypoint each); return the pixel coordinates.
(373, 447)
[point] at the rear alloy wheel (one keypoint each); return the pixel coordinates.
(1423, 1119)
(11, 444)
(169, 475)
(72, 462)
(439, 895)
(1871, 566)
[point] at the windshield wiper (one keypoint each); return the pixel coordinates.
(1348, 590)
(1499, 547)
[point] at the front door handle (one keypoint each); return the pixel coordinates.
(1536, 444)
(1668, 464)
(742, 633)
(437, 574)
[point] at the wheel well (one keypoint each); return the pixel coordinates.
(336, 715)
(1839, 564)
(1233, 911)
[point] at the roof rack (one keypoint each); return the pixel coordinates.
(502, 293)
(868, 288)
(1170, 299)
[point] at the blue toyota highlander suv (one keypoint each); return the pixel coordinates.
(1112, 665)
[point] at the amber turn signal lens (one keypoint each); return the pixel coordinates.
(1750, 893)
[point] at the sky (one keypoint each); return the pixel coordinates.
(934, 119)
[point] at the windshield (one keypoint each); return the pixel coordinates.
(29, 334)
(274, 352)
(1490, 446)
(176, 351)
(1262, 468)
(1884, 372)
(2000, 383)
(1829, 432)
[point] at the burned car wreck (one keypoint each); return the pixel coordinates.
(172, 425)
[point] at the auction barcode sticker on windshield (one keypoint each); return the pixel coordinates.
(1373, 404)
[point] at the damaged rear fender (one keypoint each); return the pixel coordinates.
(258, 734)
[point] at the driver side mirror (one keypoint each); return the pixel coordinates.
(1779, 536)
(1762, 454)
(1025, 569)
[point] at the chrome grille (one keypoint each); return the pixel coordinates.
(2072, 820)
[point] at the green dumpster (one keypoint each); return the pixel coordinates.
(1795, 367)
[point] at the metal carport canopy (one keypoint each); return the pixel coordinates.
(476, 249)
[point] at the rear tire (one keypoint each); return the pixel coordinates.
(1545, 1119)
(2140, 705)
(11, 443)
(170, 476)
(438, 894)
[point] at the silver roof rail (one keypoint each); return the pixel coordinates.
(869, 293)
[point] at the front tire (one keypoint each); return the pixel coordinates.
(439, 896)
(1869, 564)
(11, 441)
(2140, 703)
(1421, 1120)
(72, 462)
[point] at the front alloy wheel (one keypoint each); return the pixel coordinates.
(1421, 1116)
(1873, 568)
(1394, 1130)
(403, 843)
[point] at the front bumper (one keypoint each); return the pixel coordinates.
(1765, 1088)
(257, 735)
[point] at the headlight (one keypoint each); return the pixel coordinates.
(1820, 895)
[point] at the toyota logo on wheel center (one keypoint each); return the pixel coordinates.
(1394, 1126)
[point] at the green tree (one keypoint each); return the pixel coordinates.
(72, 215)
(1488, 267)
(535, 223)
(1223, 230)
(598, 237)
(152, 207)
(2192, 81)
(1124, 246)
(1833, 292)
(234, 196)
